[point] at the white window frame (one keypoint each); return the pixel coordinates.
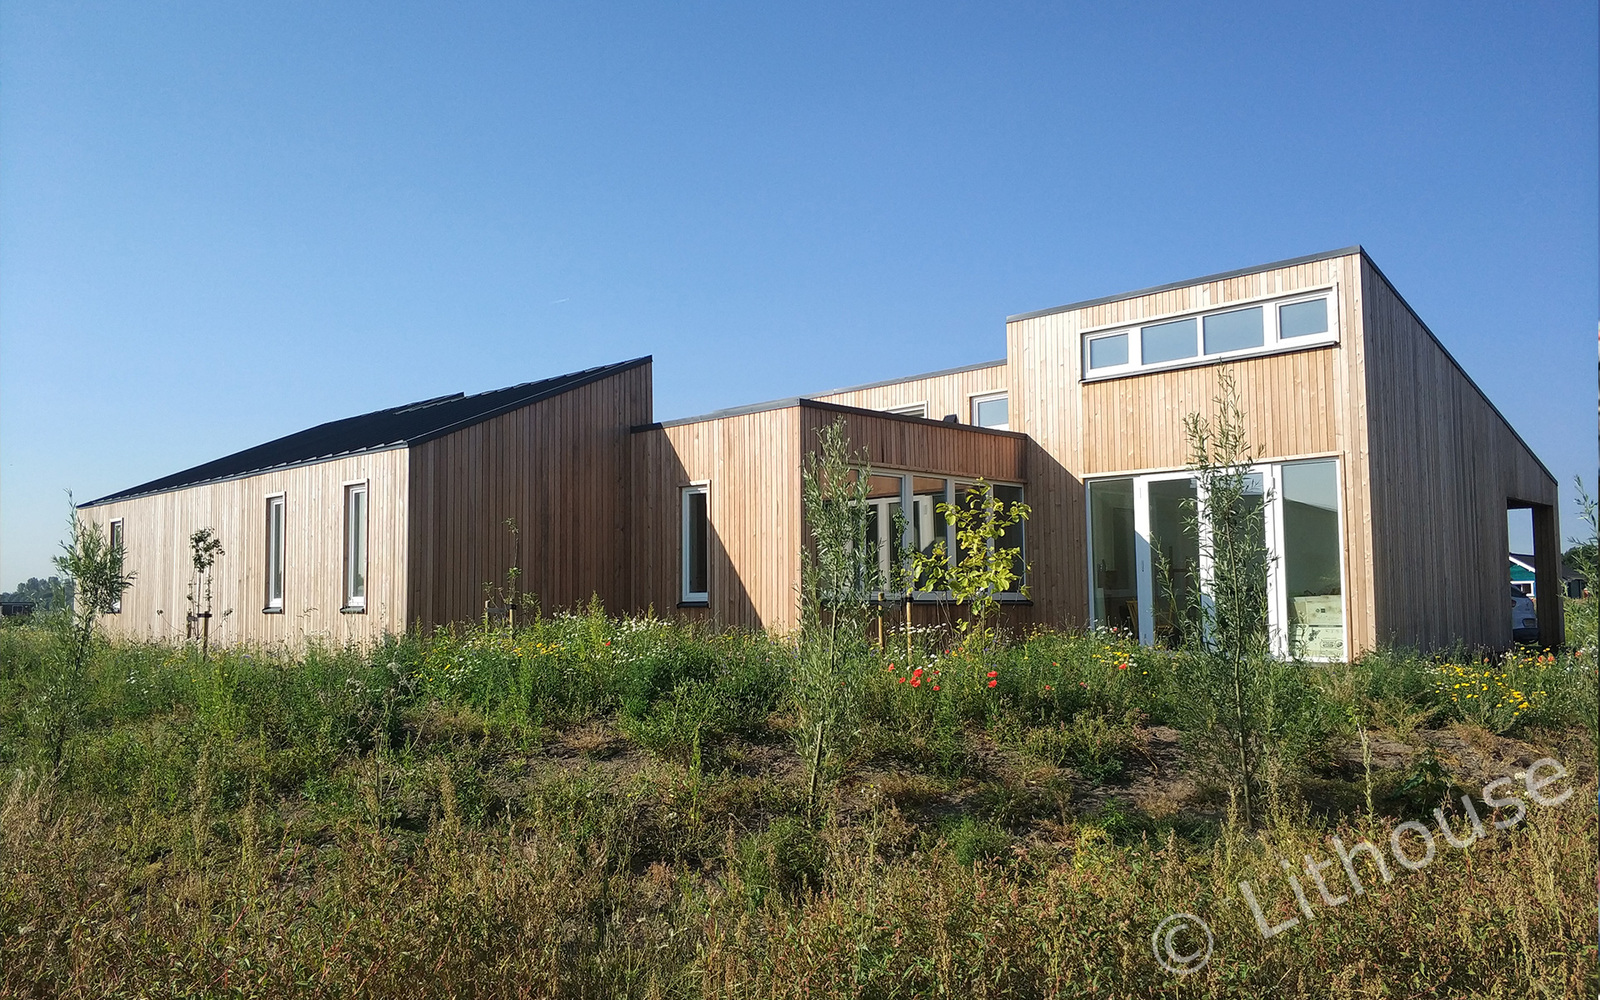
(117, 531)
(951, 485)
(274, 603)
(918, 409)
(685, 595)
(973, 399)
(1272, 342)
(1277, 586)
(354, 604)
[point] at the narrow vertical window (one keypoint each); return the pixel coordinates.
(274, 553)
(117, 548)
(1311, 560)
(696, 543)
(355, 547)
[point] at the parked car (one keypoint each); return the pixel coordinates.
(1524, 619)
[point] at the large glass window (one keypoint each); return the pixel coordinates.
(1106, 352)
(1303, 319)
(1311, 560)
(885, 525)
(1238, 330)
(696, 543)
(1167, 342)
(355, 547)
(1012, 537)
(1113, 580)
(275, 554)
(1175, 555)
(116, 537)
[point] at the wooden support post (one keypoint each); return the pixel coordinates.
(1547, 584)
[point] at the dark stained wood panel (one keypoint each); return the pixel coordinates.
(562, 469)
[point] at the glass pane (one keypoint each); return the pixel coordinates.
(883, 515)
(1175, 560)
(1302, 319)
(1234, 331)
(1114, 587)
(357, 555)
(1311, 560)
(1167, 341)
(1107, 352)
(698, 530)
(274, 552)
(927, 524)
(1012, 538)
(993, 412)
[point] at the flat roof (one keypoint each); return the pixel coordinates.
(820, 404)
(1221, 276)
(778, 404)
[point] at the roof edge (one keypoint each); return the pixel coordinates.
(590, 376)
(806, 402)
(1206, 279)
(911, 378)
(110, 498)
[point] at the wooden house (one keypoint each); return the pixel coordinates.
(1384, 475)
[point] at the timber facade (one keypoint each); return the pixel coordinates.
(1382, 476)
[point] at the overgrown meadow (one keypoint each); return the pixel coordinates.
(601, 806)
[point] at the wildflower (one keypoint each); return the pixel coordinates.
(994, 673)
(936, 687)
(1122, 666)
(899, 680)
(993, 683)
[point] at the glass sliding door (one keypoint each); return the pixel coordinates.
(1175, 561)
(1113, 576)
(1148, 568)
(1311, 560)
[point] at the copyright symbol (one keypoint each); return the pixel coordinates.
(1164, 944)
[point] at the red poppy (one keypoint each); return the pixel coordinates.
(899, 680)
(1122, 666)
(936, 687)
(916, 683)
(994, 673)
(993, 683)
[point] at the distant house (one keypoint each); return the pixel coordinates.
(1381, 466)
(1525, 579)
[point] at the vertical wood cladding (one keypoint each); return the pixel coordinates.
(752, 462)
(943, 394)
(1445, 464)
(156, 532)
(562, 469)
(1300, 403)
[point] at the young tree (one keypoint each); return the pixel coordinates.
(94, 569)
(1232, 642)
(204, 549)
(983, 568)
(839, 575)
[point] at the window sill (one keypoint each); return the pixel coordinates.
(694, 604)
(352, 611)
(272, 611)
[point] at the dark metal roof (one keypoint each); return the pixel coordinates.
(1222, 276)
(380, 430)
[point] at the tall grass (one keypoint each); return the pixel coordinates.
(595, 806)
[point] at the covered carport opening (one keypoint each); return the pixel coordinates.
(1547, 582)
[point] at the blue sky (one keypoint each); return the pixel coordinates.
(224, 222)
